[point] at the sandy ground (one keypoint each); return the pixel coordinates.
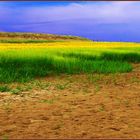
(77, 106)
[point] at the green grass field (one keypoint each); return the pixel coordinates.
(23, 61)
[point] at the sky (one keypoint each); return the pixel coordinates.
(100, 21)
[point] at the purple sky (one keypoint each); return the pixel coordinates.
(104, 21)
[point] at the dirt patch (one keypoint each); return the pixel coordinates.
(77, 106)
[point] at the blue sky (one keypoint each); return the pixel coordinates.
(104, 21)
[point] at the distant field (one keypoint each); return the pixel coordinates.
(23, 61)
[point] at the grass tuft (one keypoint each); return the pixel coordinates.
(4, 88)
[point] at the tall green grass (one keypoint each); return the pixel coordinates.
(15, 69)
(21, 65)
(109, 56)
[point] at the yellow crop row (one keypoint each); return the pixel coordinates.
(68, 44)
